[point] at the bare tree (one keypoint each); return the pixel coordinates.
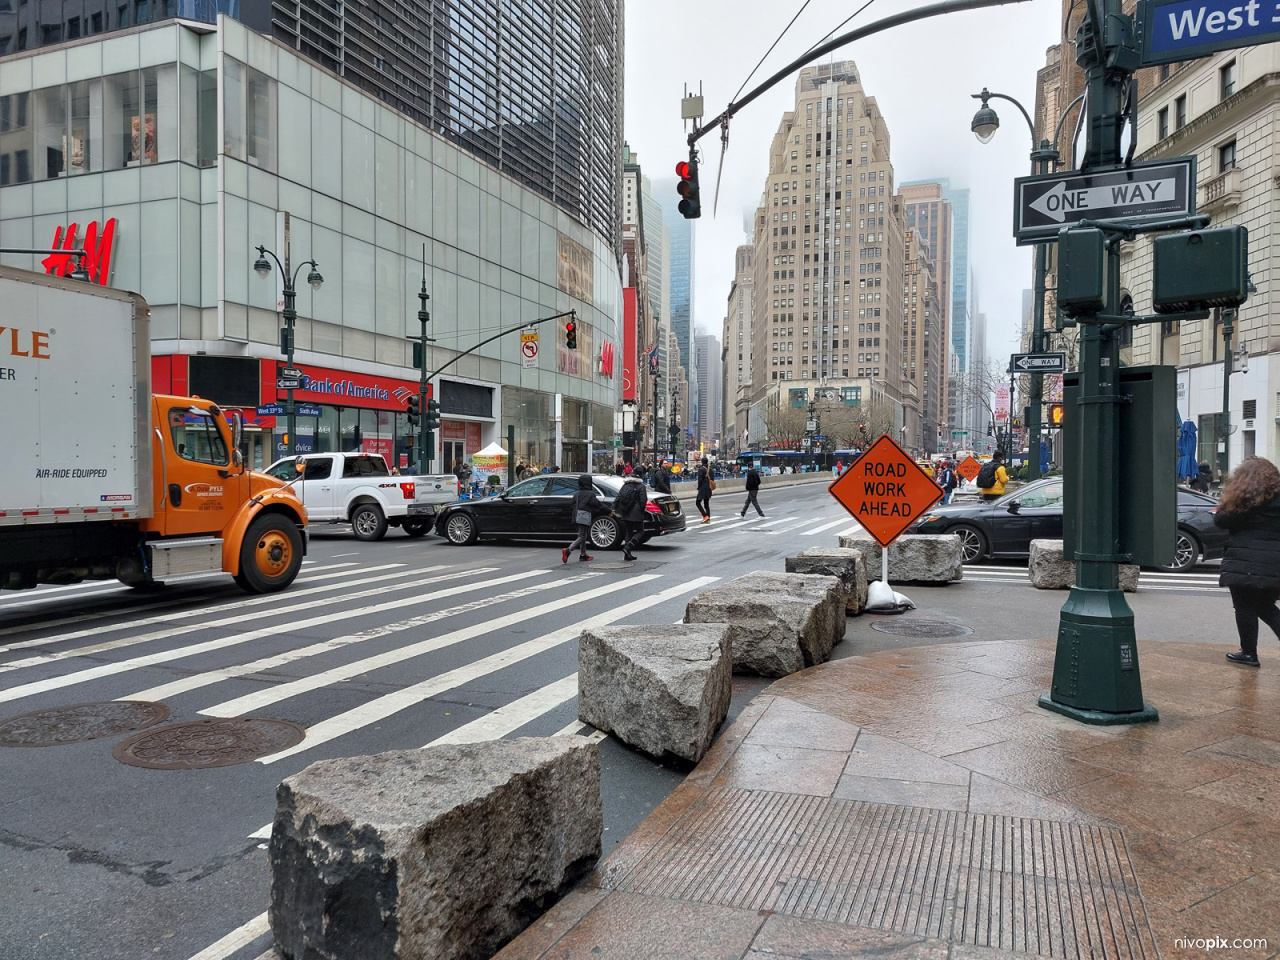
(785, 424)
(854, 425)
(979, 385)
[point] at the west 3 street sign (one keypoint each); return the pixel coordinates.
(1174, 30)
(1043, 205)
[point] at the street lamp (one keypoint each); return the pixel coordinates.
(984, 126)
(262, 267)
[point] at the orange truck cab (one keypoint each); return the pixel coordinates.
(209, 509)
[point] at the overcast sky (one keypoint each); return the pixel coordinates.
(921, 75)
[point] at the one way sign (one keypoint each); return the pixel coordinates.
(1043, 205)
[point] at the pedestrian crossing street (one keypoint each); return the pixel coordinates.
(386, 626)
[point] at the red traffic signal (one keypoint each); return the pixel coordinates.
(570, 335)
(690, 204)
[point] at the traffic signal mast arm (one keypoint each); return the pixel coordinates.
(817, 53)
(497, 336)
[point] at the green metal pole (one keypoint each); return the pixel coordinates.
(290, 316)
(1096, 678)
(1224, 457)
(511, 455)
(1042, 158)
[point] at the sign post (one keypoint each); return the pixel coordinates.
(885, 491)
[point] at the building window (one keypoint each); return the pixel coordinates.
(1227, 80)
(73, 28)
(1180, 112)
(96, 21)
(1227, 157)
(1164, 71)
(1162, 121)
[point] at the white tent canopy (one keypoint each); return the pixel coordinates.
(492, 450)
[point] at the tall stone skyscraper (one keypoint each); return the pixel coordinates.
(829, 251)
(928, 212)
(924, 341)
(736, 347)
(709, 380)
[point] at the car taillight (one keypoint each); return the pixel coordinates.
(408, 489)
(652, 508)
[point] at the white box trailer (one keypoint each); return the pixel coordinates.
(75, 385)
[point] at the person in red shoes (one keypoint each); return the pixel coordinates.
(586, 506)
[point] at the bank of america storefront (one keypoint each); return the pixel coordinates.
(173, 151)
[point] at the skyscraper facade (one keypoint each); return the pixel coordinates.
(829, 247)
(709, 380)
(679, 280)
(736, 347)
(531, 89)
(927, 211)
(923, 341)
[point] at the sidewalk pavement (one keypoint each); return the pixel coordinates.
(916, 804)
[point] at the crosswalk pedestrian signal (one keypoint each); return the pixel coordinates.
(413, 410)
(433, 414)
(691, 203)
(570, 335)
(1056, 414)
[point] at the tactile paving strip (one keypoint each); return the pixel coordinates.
(1045, 887)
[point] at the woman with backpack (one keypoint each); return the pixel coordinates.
(992, 478)
(703, 500)
(1250, 510)
(586, 505)
(629, 506)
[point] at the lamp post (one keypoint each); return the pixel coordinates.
(262, 267)
(673, 431)
(654, 424)
(1043, 155)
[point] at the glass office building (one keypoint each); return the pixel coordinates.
(171, 151)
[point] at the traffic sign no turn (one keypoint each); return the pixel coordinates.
(885, 490)
(1043, 205)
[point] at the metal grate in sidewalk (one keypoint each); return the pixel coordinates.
(1045, 887)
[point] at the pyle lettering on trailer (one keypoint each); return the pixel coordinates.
(1175, 30)
(24, 343)
(885, 490)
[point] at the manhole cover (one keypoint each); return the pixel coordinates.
(919, 627)
(207, 743)
(80, 721)
(623, 565)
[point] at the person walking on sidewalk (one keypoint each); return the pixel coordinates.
(586, 505)
(628, 507)
(753, 487)
(947, 481)
(1250, 510)
(703, 500)
(992, 477)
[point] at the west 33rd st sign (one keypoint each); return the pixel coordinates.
(1174, 30)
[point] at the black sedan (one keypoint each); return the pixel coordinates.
(541, 508)
(1006, 527)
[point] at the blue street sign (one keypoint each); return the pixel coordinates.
(1174, 30)
(308, 410)
(271, 410)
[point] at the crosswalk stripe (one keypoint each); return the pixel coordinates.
(514, 715)
(716, 526)
(247, 704)
(849, 531)
(130, 641)
(167, 656)
(200, 611)
(393, 703)
(210, 677)
(236, 940)
(826, 526)
(792, 528)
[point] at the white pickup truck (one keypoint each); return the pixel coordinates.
(357, 488)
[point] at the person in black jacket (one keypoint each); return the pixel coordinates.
(703, 500)
(629, 506)
(1250, 509)
(753, 487)
(661, 479)
(586, 504)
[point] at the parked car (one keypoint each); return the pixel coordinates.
(541, 508)
(357, 488)
(1006, 527)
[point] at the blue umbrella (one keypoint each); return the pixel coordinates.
(1188, 468)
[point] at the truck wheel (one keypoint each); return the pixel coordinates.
(271, 554)
(368, 523)
(416, 528)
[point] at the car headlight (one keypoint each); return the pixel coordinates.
(927, 518)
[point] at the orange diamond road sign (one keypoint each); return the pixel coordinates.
(969, 469)
(885, 490)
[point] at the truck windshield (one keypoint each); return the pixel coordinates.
(196, 437)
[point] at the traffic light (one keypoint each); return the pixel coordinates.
(570, 335)
(1056, 413)
(690, 204)
(433, 414)
(414, 410)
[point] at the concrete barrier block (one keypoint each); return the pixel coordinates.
(1048, 570)
(913, 558)
(850, 566)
